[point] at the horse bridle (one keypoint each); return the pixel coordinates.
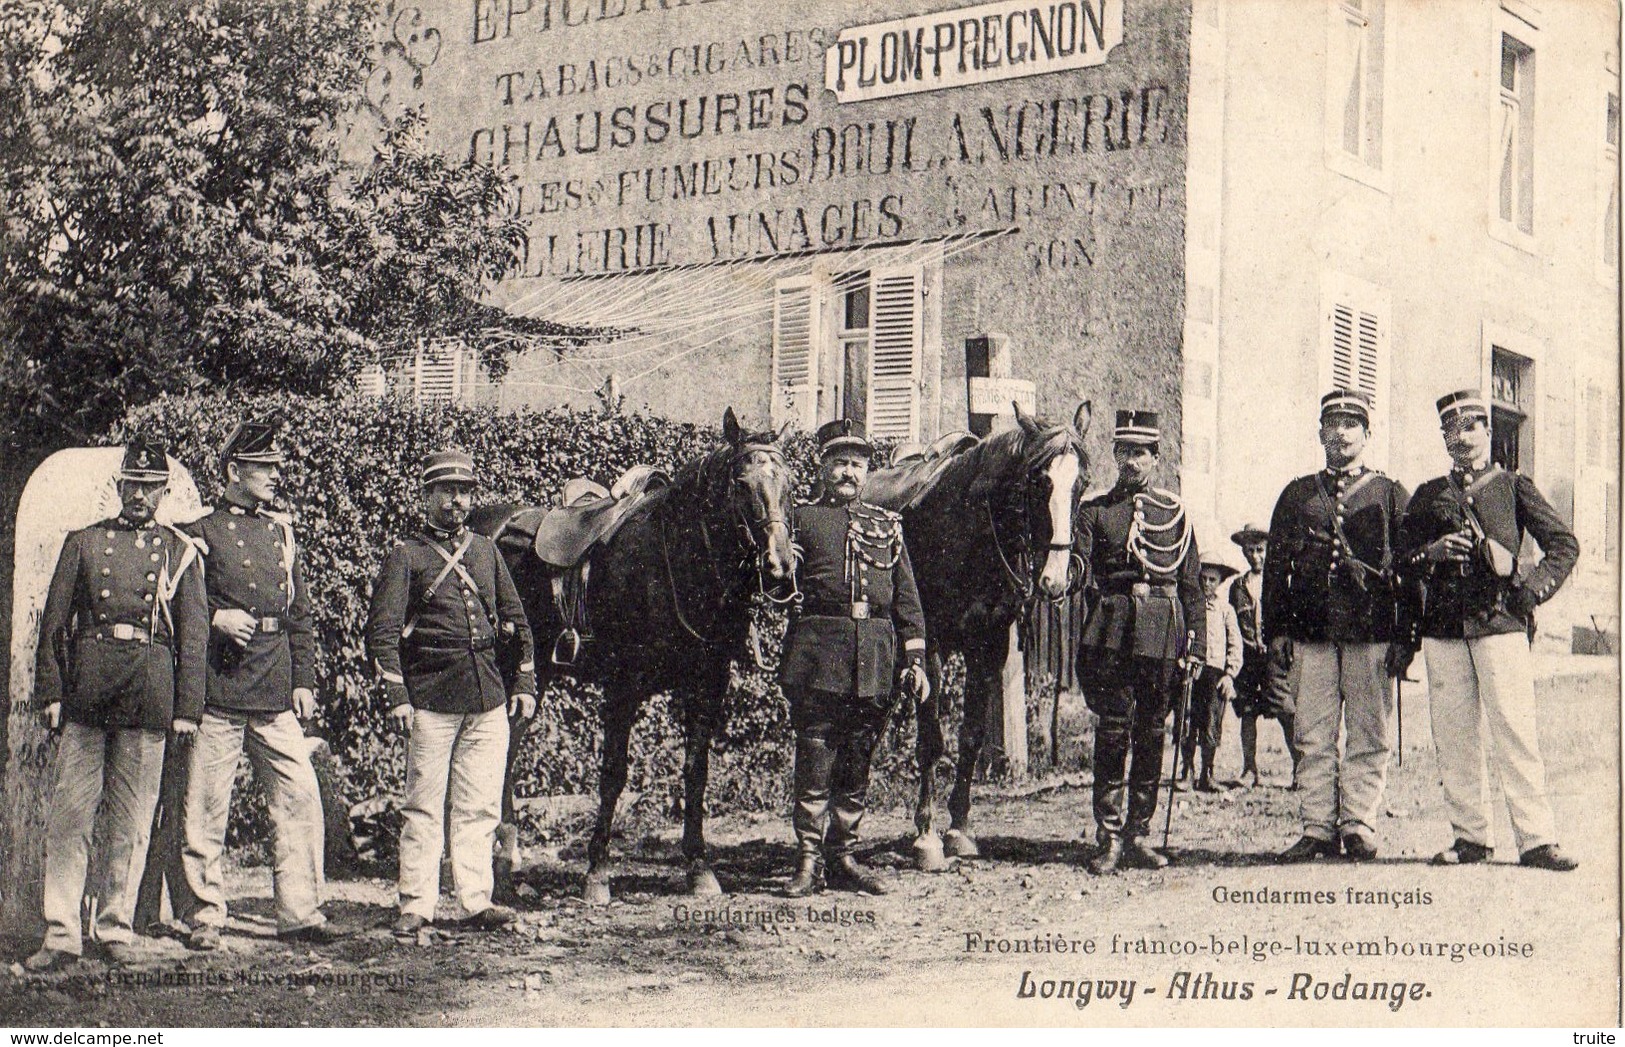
(1023, 582)
(750, 526)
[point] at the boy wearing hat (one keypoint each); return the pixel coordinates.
(1215, 688)
(1264, 687)
(839, 653)
(1460, 540)
(121, 661)
(439, 606)
(1329, 595)
(1145, 626)
(261, 683)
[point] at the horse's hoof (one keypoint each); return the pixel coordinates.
(960, 844)
(702, 882)
(928, 856)
(596, 891)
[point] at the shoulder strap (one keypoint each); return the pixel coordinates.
(169, 582)
(453, 563)
(285, 527)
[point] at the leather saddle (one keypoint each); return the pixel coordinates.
(591, 514)
(914, 471)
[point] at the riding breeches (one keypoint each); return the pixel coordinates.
(836, 738)
(1132, 699)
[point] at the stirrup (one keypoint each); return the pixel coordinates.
(566, 648)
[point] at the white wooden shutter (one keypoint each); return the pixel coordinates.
(795, 353)
(1356, 341)
(894, 353)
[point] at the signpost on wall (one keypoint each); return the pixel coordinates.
(990, 391)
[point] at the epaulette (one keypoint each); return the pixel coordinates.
(883, 513)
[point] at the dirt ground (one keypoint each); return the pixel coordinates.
(1024, 935)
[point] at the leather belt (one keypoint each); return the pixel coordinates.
(1133, 585)
(859, 609)
(484, 643)
(269, 625)
(121, 631)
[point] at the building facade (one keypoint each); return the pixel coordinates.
(1211, 208)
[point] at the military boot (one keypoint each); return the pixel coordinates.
(1107, 859)
(845, 874)
(805, 881)
(1141, 855)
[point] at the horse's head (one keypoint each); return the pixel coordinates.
(758, 491)
(1055, 468)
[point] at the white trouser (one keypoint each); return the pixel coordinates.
(124, 768)
(1342, 689)
(466, 753)
(280, 755)
(1488, 678)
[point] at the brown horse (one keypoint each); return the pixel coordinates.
(990, 534)
(669, 597)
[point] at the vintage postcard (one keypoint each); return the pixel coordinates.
(1185, 433)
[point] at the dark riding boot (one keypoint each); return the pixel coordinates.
(805, 881)
(845, 874)
(815, 767)
(1111, 768)
(1140, 855)
(849, 786)
(1107, 859)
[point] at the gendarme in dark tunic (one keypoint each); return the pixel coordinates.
(1470, 599)
(853, 556)
(448, 663)
(125, 624)
(1329, 574)
(254, 565)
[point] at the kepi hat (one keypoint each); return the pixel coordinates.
(145, 461)
(843, 434)
(449, 466)
(1351, 402)
(1462, 403)
(1137, 427)
(253, 442)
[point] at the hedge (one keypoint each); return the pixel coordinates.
(352, 485)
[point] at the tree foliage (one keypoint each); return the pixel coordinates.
(179, 212)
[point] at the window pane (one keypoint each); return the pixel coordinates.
(1509, 64)
(1509, 156)
(1353, 105)
(855, 315)
(1504, 428)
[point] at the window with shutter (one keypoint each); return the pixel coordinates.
(438, 373)
(795, 353)
(894, 357)
(1355, 340)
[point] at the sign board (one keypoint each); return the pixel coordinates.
(993, 395)
(971, 45)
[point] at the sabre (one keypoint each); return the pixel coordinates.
(1179, 737)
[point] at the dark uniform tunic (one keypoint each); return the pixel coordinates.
(448, 664)
(1149, 599)
(1328, 577)
(839, 661)
(255, 566)
(1469, 600)
(851, 556)
(110, 650)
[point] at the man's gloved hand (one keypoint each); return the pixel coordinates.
(1397, 661)
(304, 702)
(1521, 602)
(400, 717)
(915, 681)
(1227, 688)
(522, 705)
(51, 716)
